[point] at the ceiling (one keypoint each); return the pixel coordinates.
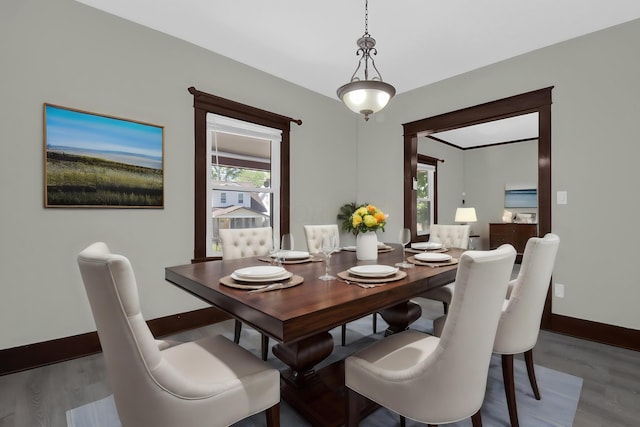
(313, 44)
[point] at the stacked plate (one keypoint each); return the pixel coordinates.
(432, 257)
(261, 274)
(373, 271)
(290, 255)
(426, 246)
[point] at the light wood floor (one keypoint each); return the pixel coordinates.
(610, 394)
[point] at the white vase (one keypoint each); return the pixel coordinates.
(367, 246)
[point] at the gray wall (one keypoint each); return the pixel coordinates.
(596, 99)
(65, 53)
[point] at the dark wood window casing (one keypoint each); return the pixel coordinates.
(204, 103)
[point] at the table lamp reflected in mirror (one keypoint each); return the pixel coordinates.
(466, 216)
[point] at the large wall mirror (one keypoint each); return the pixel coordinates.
(537, 102)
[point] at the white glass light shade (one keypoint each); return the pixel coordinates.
(466, 215)
(366, 96)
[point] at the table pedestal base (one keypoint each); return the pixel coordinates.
(400, 316)
(319, 396)
(321, 400)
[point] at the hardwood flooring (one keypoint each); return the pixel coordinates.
(610, 394)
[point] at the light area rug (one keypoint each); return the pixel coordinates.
(560, 391)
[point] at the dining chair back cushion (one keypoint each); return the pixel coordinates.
(315, 233)
(207, 382)
(451, 236)
(520, 322)
(440, 380)
(245, 242)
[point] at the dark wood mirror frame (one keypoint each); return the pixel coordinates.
(536, 101)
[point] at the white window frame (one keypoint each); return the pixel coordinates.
(218, 123)
(431, 174)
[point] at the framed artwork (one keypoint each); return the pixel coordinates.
(93, 160)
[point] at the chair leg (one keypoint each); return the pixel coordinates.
(352, 408)
(510, 388)
(265, 347)
(344, 334)
(528, 357)
(445, 307)
(375, 323)
(403, 421)
(273, 416)
(476, 419)
(236, 331)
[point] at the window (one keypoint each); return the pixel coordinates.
(203, 104)
(244, 159)
(425, 197)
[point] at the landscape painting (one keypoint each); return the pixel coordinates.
(93, 160)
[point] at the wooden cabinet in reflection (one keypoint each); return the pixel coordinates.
(515, 234)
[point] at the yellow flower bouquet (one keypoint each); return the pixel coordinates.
(367, 218)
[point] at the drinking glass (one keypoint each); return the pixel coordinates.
(405, 238)
(286, 245)
(329, 246)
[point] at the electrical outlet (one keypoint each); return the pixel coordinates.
(559, 290)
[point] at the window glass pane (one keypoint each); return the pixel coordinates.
(241, 184)
(424, 202)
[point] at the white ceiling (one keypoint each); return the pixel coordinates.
(513, 129)
(313, 44)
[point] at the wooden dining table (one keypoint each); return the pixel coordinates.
(299, 318)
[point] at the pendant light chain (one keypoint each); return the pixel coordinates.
(366, 17)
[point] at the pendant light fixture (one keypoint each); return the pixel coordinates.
(366, 96)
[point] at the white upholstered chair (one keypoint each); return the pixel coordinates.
(245, 242)
(522, 311)
(314, 235)
(211, 382)
(438, 380)
(452, 236)
(242, 243)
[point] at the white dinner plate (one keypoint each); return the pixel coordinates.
(425, 246)
(432, 257)
(283, 276)
(375, 270)
(260, 272)
(291, 255)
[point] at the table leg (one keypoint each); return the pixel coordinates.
(303, 355)
(400, 316)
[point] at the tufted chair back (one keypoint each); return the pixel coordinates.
(246, 242)
(451, 236)
(315, 233)
(206, 382)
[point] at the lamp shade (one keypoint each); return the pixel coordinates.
(366, 96)
(466, 215)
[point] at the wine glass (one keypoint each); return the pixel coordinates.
(329, 246)
(405, 238)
